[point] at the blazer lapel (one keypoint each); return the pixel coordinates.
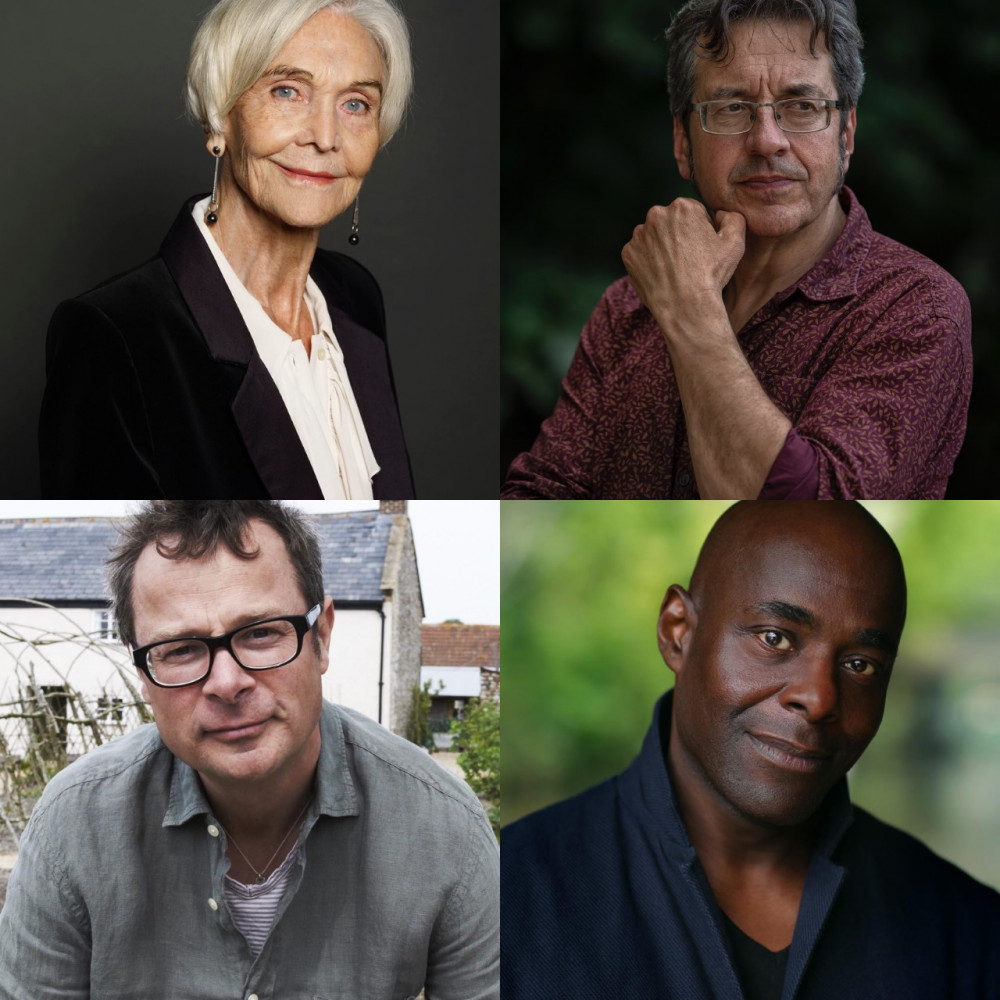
(259, 412)
(367, 367)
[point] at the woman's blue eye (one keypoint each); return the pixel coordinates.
(356, 106)
(285, 91)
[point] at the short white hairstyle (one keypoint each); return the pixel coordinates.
(239, 38)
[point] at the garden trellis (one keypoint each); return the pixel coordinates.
(63, 691)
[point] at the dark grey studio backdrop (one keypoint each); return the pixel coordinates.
(98, 159)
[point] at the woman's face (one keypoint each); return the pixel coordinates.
(302, 138)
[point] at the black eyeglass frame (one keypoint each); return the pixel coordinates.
(830, 105)
(301, 623)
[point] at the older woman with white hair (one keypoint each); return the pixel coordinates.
(243, 360)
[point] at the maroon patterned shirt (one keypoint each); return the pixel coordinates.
(868, 354)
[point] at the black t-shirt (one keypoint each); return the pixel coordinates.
(761, 971)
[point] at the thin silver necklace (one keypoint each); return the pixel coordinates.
(261, 875)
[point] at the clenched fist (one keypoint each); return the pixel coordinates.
(678, 257)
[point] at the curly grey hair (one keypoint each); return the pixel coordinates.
(701, 29)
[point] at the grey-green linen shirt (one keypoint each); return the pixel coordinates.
(118, 889)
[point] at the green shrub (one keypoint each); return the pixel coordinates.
(477, 737)
(418, 728)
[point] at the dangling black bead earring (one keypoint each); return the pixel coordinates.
(212, 216)
(354, 239)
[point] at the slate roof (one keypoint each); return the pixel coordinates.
(62, 559)
(50, 559)
(456, 645)
(353, 547)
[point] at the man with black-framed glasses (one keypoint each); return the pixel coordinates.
(257, 842)
(767, 342)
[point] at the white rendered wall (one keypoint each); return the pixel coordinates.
(352, 679)
(56, 646)
(60, 648)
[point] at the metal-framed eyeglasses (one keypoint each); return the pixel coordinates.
(795, 114)
(260, 645)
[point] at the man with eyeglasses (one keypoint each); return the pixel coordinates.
(257, 842)
(767, 343)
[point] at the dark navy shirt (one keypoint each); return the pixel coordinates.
(603, 896)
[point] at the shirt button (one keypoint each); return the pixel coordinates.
(213, 831)
(322, 354)
(684, 479)
(213, 904)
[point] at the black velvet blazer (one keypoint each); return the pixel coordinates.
(154, 387)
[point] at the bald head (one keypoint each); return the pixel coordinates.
(752, 530)
(782, 649)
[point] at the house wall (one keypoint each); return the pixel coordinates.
(404, 613)
(60, 649)
(56, 645)
(490, 685)
(352, 678)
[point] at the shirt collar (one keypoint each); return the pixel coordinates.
(335, 792)
(836, 275)
(646, 787)
(273, 344)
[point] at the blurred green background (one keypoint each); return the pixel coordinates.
(587, 151)
(581, 585)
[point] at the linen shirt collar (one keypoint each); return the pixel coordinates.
(836, 275)
(335, 791)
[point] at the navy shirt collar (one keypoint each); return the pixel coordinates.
(647, 795)
(646, 786)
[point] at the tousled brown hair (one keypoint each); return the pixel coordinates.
(191, 529)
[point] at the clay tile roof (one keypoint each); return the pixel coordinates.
(456, 645)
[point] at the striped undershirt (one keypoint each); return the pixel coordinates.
(253, 906)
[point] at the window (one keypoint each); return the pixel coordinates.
(106, 625)
(110, 707)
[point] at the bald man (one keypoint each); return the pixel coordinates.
(727, 861)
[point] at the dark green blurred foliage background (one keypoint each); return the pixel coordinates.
(582, 583)
(587, 151)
